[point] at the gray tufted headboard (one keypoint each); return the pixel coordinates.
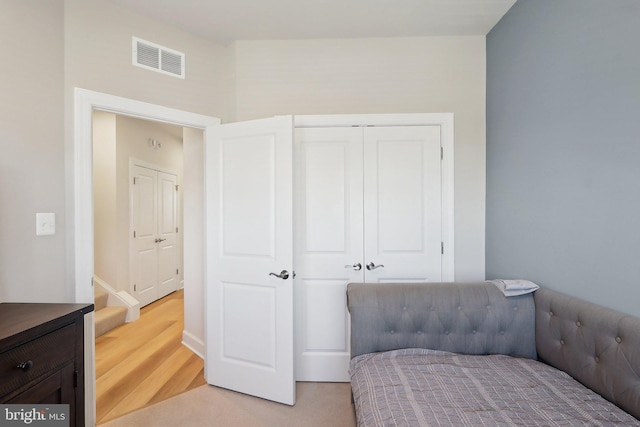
(470, 318)
(597, 346)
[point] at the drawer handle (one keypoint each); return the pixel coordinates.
(25, 366)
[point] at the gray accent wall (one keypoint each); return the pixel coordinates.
(563, 148)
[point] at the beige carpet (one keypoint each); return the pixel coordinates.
(317, 405)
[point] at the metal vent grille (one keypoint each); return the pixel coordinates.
(158, 58)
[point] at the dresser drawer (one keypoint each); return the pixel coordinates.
(43, 355)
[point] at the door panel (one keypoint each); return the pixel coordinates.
(403, 203)
(144, 266)
(248, 202)
(249, 313)
(167, 234)
(329, 241)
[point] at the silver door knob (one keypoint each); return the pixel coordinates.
(284, 275)
(357, 266)
(372, 266)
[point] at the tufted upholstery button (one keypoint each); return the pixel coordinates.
(551, 313)
(392, 331)
(501, 332)
(404, 308)
(578, 324)
(446, 332)
(488, 306)
(419, 332)
(562, 342)
(473, 332)
(618, 340)
(459, 308)
(515, 308)
(597, 359)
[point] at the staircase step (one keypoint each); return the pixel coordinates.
(100, 298)
(108, 318)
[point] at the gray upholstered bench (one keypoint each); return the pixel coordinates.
(464, 354)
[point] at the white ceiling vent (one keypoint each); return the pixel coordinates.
(158, 58)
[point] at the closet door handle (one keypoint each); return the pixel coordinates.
(357, 266)
(372, 266)
(160, 240)
(284, 275)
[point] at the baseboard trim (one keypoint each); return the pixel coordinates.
(120, 299)
(193, 343)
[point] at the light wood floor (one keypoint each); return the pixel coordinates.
(143, 362)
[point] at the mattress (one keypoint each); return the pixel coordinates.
(419, 387)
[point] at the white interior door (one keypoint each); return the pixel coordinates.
(329, 247)
(403, 204)
(144, 214)
(167, 233)
(249, 310)
(154, 259)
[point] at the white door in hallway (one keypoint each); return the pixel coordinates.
(249, 258)
(154, 255)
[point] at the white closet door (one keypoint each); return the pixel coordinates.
(403, 204)
(249, 311)
(167, 234)
(144, 214)
(154, 258)
(329, 247)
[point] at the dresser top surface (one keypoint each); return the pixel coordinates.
(16, 318)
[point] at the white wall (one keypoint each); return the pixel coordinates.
(400, 75)
(98, 57)
(104, 197)
(32, 144)
(193, 150)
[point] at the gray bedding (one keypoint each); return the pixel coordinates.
(420, 387)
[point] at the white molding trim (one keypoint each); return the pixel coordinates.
(85, 101)
(89, 370)
(446, 123)
(349, 120)
(193, 343)
(120, 299)
(81, 225)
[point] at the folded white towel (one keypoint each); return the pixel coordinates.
(511, 288)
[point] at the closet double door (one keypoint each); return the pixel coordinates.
(368, 208)
(154, 248)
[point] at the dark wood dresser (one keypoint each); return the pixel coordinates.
(42, 355)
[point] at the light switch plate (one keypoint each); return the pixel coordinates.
(45, 224)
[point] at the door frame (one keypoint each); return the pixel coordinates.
(79, 217)
(445, 121)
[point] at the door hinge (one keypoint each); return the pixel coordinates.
(176, 229)
(442, 248)
(135, 287)
(75, 379)
(134, 234)
(177, 187)
(134, 180)
(177, 271)
(441, 153)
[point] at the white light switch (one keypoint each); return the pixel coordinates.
(45, 224)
